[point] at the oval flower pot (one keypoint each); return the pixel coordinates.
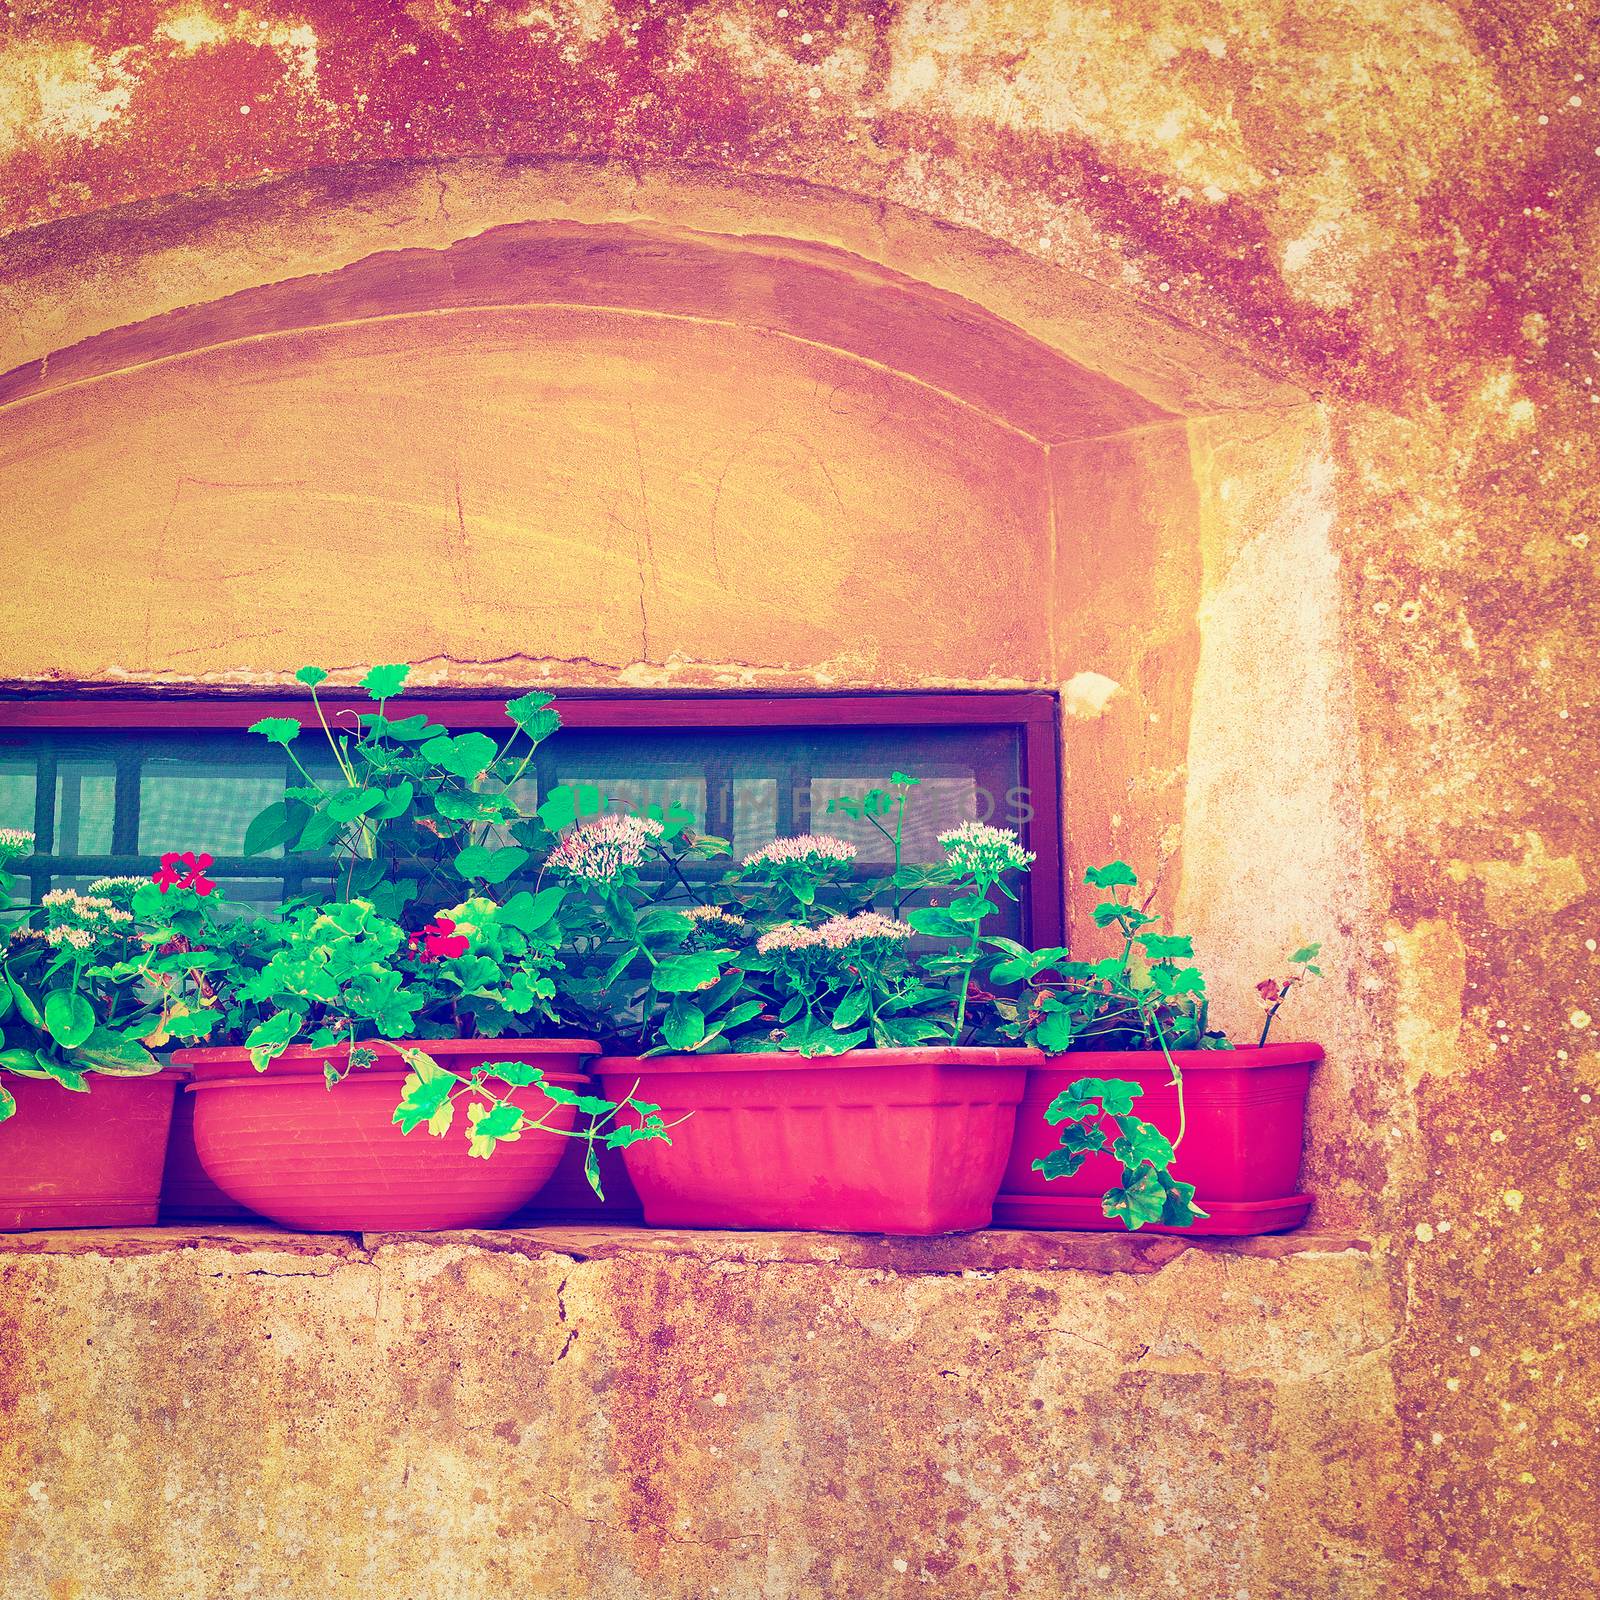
(73, 1160)
(286, 1146)
(1245, 1125)
(871, 1141)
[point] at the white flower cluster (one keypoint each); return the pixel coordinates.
(599, 852)
(803, 850)
(116, 886)
(78, 938)
(979, 851)
(712, 917)
(84, 908)
(837, 933)
(15, 843)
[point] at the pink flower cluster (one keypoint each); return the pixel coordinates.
(804, 850)
(185, 871)
(837, 933)
(601, 851)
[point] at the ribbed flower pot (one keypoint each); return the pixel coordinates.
(871, 1141)
(285, 1145)
(1245, 1126)
(73, 1160)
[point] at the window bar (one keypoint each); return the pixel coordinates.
(718, 820)
(125, 818)
(44, 822)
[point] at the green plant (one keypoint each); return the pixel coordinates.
(1274, 991)
(431, 1094)
(413, 815)
(844, 982)
(64, 1014)
(1147, 995)
(1147, 1192)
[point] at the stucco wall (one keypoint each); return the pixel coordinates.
(576, 1413)
(1348, 253)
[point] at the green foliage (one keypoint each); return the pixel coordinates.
(383, 683)
(277, 730)
(68, 1018)
(1146, 1190)
(1115, 874)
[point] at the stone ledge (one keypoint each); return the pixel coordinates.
(990, 1251)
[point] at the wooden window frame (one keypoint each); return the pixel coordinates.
(1033, 714)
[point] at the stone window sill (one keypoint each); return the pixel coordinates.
(984, 1253)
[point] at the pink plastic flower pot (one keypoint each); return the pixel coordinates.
(72, 1160)
(1245, 1125)
(286, 1146)
(872, 1141)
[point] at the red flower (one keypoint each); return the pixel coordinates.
(168, 877)
(186, 871)
(197, 879)
(439, 941)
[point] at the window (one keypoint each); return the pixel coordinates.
(108, 784)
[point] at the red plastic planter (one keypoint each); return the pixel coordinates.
(872, 1141)
(283, 1144)
(1245, 1115)
(71, 1160)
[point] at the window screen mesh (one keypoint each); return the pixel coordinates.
(113, 802)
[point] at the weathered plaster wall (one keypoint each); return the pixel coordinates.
(572, 1413)
(590, 495)
(1388, 208)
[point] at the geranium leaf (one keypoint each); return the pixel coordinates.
(490, 1127)
(1138, 1202)
(271, 1038)
(1141, 1142)
(1091, 1097)
(464, 754)
(1110, 876)
(277, 730)
(382, 683)
(532, 713)
(427, 1087)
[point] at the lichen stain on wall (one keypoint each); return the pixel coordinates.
(1389, 207)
